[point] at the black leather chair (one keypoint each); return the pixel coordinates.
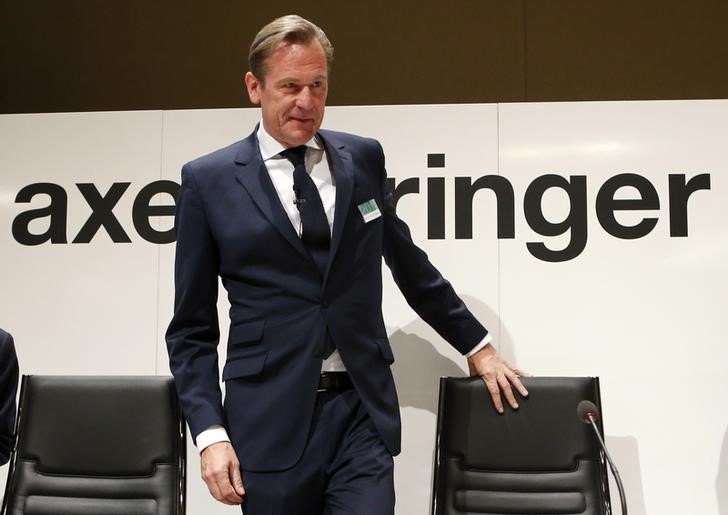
(97, 445)
(540, 459)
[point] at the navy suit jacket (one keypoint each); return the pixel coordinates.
(230, 224)
(8, 389)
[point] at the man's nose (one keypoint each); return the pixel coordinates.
(305, 98)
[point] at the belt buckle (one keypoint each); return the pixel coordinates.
(319, 389)
(330, 382)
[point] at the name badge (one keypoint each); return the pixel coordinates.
(369, 211)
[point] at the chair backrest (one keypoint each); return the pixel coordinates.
(540, 459)
(97, 445)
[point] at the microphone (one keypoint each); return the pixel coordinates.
(299, 198)
(589, 414)
(587, 410)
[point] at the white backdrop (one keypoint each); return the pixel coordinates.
(644, 314)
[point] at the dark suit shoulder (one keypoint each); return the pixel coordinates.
(216, 159)
(365, 151)
(345, 139)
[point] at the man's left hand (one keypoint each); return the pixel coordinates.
(499, 376)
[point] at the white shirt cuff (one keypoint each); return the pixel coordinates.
(211, 435)
(485, 341)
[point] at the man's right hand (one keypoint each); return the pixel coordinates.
(221, 473)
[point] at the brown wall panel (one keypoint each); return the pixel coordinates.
(428, 52)
(622, 49)
(88, 55)
(80, 55)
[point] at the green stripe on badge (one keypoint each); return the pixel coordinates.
(368, 207)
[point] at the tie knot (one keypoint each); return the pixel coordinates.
(296, 155)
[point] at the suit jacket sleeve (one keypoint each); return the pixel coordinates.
(8, 390)
(193, 333)
(425, 289)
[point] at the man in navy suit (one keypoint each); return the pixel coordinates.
(296, 220)
(8, 389)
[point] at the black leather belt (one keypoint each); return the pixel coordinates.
(334, 382)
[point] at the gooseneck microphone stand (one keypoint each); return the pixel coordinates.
(588, 413)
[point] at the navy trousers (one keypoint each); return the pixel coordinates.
(345, 468)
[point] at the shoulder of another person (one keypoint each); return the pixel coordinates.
(7, 349)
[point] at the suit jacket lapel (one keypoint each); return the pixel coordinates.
(252, 174)
(342, 169)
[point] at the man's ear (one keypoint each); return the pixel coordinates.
(253, 86)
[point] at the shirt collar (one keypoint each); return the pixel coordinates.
(270, 147)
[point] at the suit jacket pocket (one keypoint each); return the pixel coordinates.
(386, 350)
(246, 333)
(244, 366)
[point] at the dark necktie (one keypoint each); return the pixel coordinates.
(315, 234)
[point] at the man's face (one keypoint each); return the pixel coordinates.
(293, 94)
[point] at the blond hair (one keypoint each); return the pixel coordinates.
(286, 29)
